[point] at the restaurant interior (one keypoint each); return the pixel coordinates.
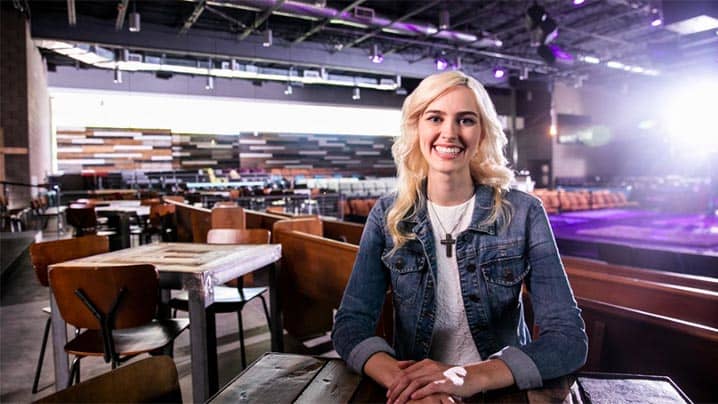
(218, 160)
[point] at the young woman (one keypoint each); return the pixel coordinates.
(456, 245)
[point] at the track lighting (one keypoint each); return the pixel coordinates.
(356, 94)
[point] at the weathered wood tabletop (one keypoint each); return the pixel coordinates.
(289, 378)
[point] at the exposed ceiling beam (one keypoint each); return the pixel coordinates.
(400, 19)
(227, 17)
(259, 21)
(121, 11)
(196, 13)
(324, 23)
(71, 15)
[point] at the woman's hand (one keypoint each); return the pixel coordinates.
(439, 398)
(415, 376)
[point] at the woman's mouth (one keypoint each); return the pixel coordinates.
(448, 152)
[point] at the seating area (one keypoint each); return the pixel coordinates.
(556, 201)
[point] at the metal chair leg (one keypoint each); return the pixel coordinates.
(42, 355)
(74, 372)
(266, 313)
(241, 339)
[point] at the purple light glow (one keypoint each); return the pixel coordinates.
(656, 22)
(577, 2)
(561, 54)
(441, 64)
(499, 73)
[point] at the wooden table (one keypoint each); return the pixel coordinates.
(287, 378)
(195, 268)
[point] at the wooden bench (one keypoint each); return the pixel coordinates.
(254, 219)
(627, 340)
(193, 223)
(679, 302)
(671, 278)
(315, 271)
(343, 231)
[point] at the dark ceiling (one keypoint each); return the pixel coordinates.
(618, 30)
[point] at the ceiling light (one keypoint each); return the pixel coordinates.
(524, 73)
(267, 38)
(135, 21)
(210, 83)
(499, 73)
(656, 22)
(376, 55)
(444, 18)
(356, 94)
(288, 91)
(590, 59)
(693, 25)
(543, 28)
(614, 65)
(118, 76)
(578, 2)
(656, 17)
(441, 63)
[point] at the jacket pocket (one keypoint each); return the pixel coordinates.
(407, 270)
(504, 269)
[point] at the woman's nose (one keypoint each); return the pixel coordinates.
(449, 129)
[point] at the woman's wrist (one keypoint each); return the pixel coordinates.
(487, 375)
(382, 368)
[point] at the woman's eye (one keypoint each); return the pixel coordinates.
(467, 121)
(434, 119)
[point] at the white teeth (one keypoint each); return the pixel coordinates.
(452, 150)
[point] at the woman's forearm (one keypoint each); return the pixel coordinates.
(487, 375)
(382, 368)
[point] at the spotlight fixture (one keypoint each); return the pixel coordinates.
(499, 73)
(656, 17)
(444, 18)
(135, 22)
(210, 83)
(542, 27)
(457, 64)
(118, 76)
(441, 63)
(267, 38)
(524, 73)
(288, 91)
(376, 55)
(356, 94)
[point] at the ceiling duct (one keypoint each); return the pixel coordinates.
(312, 12)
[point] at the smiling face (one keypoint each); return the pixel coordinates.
(450, 132)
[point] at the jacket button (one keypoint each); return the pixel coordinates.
(399, 263)
(474, 297)
(471, 267)
(508, 276)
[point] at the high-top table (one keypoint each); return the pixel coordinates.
(288, 378)
(196, 268)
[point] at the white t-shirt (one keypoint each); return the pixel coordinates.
(451, 342)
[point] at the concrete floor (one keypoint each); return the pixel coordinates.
(22, 321)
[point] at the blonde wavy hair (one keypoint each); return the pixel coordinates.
(487, 167)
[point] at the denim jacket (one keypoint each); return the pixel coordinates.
(494, 261)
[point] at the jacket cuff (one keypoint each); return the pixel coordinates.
(526, 374)
(365, 349)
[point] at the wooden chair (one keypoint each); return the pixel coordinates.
(151, 380)
(116, 306)
(233, 298)
(82, 217)
(52, 252)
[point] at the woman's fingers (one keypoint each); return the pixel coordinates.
(405, 364)
(439, 386)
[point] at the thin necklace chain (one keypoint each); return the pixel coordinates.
(461, 216)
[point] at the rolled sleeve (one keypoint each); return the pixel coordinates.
(526, 374)
(365, 349)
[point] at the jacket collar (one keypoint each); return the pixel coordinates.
(483, 203)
